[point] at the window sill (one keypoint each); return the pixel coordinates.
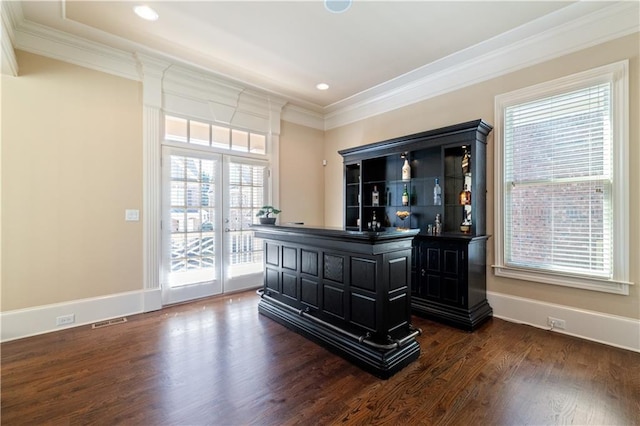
(585, 283)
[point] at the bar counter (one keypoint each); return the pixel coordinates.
(349, 291)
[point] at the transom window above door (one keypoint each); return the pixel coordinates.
(213, 135)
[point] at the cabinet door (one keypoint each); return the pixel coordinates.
(453, 290)
(440, 272)
(420, 277)
(415, 268)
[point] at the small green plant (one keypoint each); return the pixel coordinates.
(267, 211)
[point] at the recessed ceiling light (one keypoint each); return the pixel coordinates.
(322, 86)
(145, 12)
(337, 6)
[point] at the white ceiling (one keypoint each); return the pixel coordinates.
(287, 47)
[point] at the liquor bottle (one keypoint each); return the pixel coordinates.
(375, 197)
(465, 196)
(405, 196)
(406, 170)
(466, 162)
(437, 193)
(438, 225)
(374, 221)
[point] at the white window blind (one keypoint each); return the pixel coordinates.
(247, 195)
(561, 181)
(558, 176)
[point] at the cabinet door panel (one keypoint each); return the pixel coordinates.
(290, 285)
(433, 259)
(363, 311)
(451, 290)
(309, 262)
(309, 292)
(290, 258)
(433, 287)
(333, 299)
(451, 261)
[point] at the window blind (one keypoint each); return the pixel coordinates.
(558, 182)
(246, 190)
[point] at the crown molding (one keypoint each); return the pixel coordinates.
(567, 31)
(304, 117)
(10, 14)
(55, 44)
(571, 29)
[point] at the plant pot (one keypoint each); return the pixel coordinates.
(268, 220)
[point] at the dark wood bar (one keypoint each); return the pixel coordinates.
(347, 290)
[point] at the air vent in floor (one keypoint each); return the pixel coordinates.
(109, 322)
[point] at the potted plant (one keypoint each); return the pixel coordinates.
(266, 215)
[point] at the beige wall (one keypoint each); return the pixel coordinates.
(71, 165)
(301, 174)
(478, 102)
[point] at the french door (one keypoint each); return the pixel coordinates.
(209, 203)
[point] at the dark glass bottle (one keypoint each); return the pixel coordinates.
(465, 196)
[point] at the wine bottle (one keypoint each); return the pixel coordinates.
(437, 193)
(405, 196)
(465, 196)
(375, 197)
(406, 170)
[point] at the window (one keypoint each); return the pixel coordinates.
(204, 134)
(561, 181)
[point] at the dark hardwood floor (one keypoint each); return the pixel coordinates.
(217, 361)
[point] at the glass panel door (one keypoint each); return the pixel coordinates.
(209, 203)
(191, 232)
(245, 194)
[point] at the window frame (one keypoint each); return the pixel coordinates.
(618, 75)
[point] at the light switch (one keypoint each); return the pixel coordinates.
(132, 215)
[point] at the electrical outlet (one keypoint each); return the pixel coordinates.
(66, 319)
(557, 323)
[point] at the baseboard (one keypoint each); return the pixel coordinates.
(22, 323)
(603, 328)
(611, 330)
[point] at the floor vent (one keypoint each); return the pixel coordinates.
(109, 322)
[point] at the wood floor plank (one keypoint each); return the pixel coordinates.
(216, 361)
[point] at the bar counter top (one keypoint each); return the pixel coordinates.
(328, 232)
